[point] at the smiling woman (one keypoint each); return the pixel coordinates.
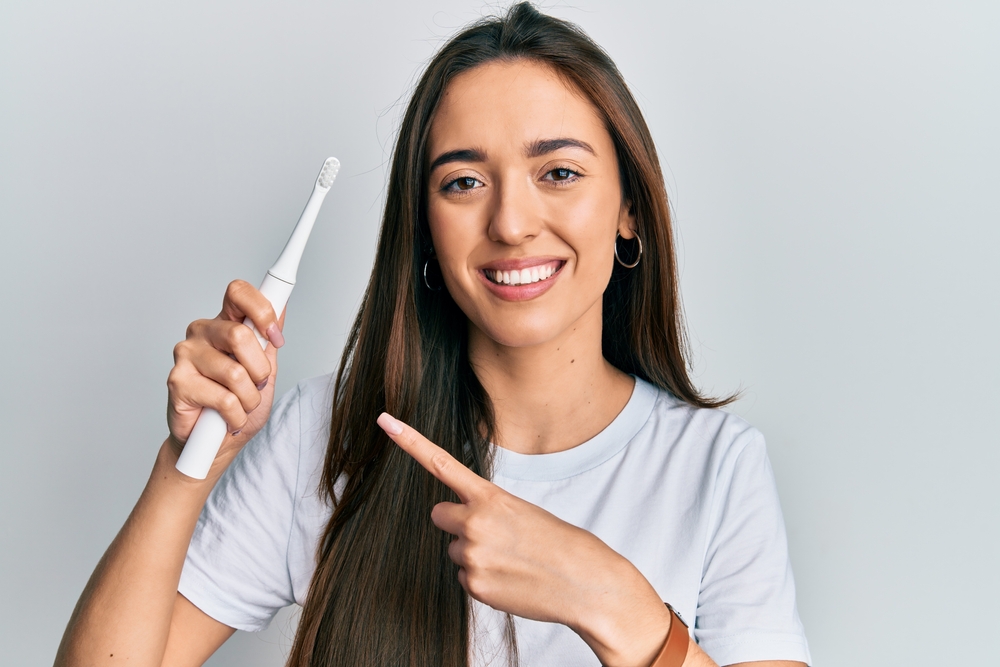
(553, 477)
(531, 187)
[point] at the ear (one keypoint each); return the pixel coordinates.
(626, 220)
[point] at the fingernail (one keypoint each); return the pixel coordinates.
(390, 424)
(236, 432)
(274, 335)
(263, 384)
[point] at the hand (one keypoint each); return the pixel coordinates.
(221, 365)
(518, 558)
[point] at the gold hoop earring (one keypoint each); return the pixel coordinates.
(619, 259)
(426, 282)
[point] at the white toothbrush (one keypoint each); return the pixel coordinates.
(211, 429)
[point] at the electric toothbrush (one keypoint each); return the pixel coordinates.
(210, 430)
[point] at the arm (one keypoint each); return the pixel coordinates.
(518, 558)
(130, 610)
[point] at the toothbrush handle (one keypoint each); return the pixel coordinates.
(210, 430)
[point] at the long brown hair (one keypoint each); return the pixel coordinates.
(385, 591)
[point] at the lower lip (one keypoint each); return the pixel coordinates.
(521, 292)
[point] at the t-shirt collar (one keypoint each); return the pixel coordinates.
(587, 455)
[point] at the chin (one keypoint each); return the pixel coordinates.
(521, 332)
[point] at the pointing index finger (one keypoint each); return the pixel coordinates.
(435, 460)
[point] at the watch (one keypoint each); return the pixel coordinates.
(675, 647)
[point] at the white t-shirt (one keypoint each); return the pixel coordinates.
(686, 495)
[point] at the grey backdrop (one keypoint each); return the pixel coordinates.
(833, 168)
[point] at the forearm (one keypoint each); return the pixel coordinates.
(125, 610)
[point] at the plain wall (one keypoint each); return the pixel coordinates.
(833, 169)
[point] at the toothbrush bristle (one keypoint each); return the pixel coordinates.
(329, 172)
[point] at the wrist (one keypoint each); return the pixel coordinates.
(627, 626)
(166, 478)
(166, 465)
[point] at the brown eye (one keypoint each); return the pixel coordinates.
(561, 175)
(463, 184)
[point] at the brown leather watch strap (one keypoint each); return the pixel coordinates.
(675, 648)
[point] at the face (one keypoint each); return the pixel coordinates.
(524, 202)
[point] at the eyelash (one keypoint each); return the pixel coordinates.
(572, 177)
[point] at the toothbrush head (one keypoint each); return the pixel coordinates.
(328, 173)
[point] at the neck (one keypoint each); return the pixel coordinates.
(554, 395)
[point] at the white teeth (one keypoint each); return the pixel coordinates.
(523, 277)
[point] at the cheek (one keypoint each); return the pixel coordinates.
(590, 227)
(456, 234)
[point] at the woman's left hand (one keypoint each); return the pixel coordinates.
(520, 559)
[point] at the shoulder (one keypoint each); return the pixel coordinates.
(713, 435)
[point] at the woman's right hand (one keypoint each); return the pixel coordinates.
(130, 610)
(221, 365)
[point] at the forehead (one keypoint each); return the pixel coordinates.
(508, 104)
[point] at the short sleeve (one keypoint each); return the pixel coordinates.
(746, 605)
(236, 569)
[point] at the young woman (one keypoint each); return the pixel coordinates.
(542, 475)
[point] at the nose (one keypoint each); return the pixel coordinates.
(514, 218)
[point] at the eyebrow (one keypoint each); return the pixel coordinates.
(461, 155)
(546, 146)
(533, 150)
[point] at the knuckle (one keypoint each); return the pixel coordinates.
(441, 461)
(471, 559)
(436, 513)
(493, 494)
(246, 336)
(261, 312)
(231, 404)
(234, 374)
(476, 527)
(235, 288)
(475, 583)
(237, 335)
(172, 380)
(195, 329)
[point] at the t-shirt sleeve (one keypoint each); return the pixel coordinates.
(746, 605)
(236, 569)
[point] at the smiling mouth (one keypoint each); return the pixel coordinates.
(526, 276)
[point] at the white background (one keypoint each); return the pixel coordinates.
(834, 173)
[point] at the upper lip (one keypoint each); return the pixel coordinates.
(518, 264)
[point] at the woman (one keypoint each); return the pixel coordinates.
(522, 323)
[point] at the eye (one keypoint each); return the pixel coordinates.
(462, 184)
(561, 175)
